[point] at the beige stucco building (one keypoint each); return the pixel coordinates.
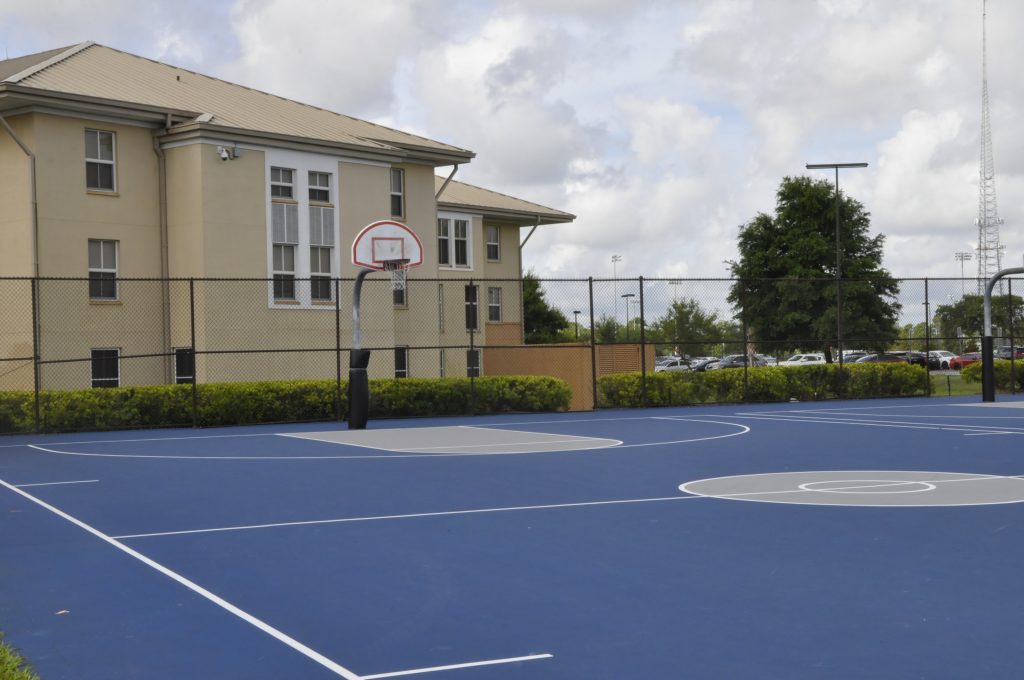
(140, 183)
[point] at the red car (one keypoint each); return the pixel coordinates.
(956, 363)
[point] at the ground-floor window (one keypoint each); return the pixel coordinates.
(106, 367)
(184, 366)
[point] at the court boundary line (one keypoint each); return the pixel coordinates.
(457, 666)
(830, 420)
(77, 481)
(259, 624)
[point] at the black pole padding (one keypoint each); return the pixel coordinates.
(988, 369)
(358, 389)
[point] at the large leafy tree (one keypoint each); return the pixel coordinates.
(786, 287)
(542, 322)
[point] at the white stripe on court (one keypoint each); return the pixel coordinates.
(77, 481)
(981, 429)
(493, 662)
(194, 587)
(446, 513)
(147, 439)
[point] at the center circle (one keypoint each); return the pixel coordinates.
(867, 486)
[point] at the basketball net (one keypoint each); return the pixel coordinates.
(398, 269)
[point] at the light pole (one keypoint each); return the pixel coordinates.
(576, 321)
(962, 257)
(839, 293)
(615, 284)
(675, 289)
(626, 297)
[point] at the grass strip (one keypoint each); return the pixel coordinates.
(12, 666)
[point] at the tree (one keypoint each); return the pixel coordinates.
(541, 322)
(786, 288)
(966, 316)
(690, 329)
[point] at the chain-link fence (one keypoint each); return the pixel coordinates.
(73, 334)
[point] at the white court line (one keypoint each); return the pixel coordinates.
(871, 423)
(492, 662)
(146, 439)
(196, 588)
(985, 434)
(77, 481)
(343, 520)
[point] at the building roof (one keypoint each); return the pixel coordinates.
(462, 196)
(90, 73)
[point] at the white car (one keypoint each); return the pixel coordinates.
(803, 360)
(673, 365)
(941, 356)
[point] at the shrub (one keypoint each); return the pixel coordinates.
(263, 402)
(1004, 371)
(803, 383)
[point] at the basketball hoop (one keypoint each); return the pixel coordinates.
(398, 269)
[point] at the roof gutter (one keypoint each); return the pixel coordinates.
(34, 198)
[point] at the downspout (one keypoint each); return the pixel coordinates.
(37, 324)
(445, 185)
(522, 301)
(165, 284)
(35, 201)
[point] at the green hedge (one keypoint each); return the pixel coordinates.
(776, 383)
(284, 401)
(1002, 371)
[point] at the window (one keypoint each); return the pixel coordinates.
(320, 187)
(397, 192)
(453, 244)
(494, 304)
(102, 269)
(285, 235)
(493, 243)
(100, 172)
(401, 362)
(184, 366)
(321, 240)
(471, 319)
(473, 363)
(282, 183)
(398, 296)
(106, 370)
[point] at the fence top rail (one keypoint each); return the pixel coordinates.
(669, 280)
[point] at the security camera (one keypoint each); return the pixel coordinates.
(224, 153)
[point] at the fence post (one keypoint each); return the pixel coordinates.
(472, 347)
(192, 336)
(35, 350)
(337, 349)
(593, 345)
(927, 342)
(746, 354)
(643, 347)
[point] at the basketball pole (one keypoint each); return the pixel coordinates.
(358, 361)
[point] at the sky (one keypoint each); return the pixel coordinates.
(663, 126)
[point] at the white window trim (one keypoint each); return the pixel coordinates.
(112, 163)
(392, 192)
(302, 164)
(488, 242)
(451, 266)
(491, 305)
(105, 270)
(92, 379)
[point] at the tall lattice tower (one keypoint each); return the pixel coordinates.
(990, 253)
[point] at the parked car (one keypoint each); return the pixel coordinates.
(704, 363)
(739, 361)
(1004, 352)
(956, 363)
(917, 358)
(803, 360)
(673, 365)
(851, 357)
(939, 358)
(661, 361)
(768, 361)
(881, 359)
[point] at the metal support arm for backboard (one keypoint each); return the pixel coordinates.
(988, 368)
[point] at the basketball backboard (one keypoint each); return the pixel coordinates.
(387, 245)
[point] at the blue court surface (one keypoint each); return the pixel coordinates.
(869, 539)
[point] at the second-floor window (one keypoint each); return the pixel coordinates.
(494, 304)
(282, 183)
(102, 269)
(397, 192)
(453, 242)
(285, 236)
(100, 168)
(493, 243)
(321, 236)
